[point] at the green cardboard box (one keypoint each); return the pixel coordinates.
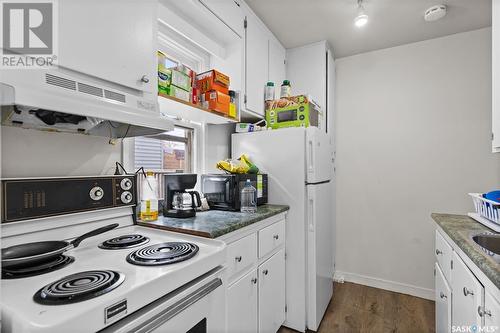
(300, 115)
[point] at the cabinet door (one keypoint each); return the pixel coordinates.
(491, 311)
(496, 74)
(228, 11)
(272, 293)
(256, 65)
(467, 295)
(443, 302)
(114, 40)
(242, 304)
(277, 54)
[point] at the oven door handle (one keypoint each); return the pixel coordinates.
(179, 306)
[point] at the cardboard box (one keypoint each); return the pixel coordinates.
(217, 101)
(179, 93)
(181, 80)
(164, 79)
(212, 80)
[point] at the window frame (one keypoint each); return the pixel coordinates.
(196, 147)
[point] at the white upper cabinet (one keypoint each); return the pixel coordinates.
(496, 75)
(229, 12)
(277, 55)
(256, 64)
(117, 47)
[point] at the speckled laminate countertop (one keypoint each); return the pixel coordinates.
(460, 228)
(215, 223)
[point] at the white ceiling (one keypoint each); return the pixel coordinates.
(391, 22)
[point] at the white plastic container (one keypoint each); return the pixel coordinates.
(487, 211)
(149, 199)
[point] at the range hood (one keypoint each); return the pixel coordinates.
(62, 100)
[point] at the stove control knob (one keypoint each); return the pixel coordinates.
(96, 193)
(126, 197)
(126, 184)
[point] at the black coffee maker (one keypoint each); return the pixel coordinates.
(179, 202)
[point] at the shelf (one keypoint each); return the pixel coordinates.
(175, 107)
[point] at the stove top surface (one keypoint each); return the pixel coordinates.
(25, 301)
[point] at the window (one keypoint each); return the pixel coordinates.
(166, 152)
(180, 50)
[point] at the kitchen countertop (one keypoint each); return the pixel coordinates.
(215, 223)
(460, 228)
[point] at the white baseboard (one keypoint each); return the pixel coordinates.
(385, 284)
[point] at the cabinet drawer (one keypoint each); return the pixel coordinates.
(271, 237)
(443, 253)
(241, 254)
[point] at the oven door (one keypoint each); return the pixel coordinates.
(219, 191)
(199, 307)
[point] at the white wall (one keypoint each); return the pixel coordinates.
(413, 137)
(217, 145)
(32, 153)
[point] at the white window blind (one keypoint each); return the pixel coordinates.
(148, 153)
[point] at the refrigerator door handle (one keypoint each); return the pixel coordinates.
(310, 156)
(311, 214)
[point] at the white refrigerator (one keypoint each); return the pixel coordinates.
(299, 164)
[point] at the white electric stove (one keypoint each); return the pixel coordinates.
(131, 278)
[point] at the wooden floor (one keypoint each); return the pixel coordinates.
(357, 308)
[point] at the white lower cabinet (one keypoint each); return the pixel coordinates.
(467, 294)
(463, 299)
(256, 292)
(272, 293)
(242, 304)
(443, 302)
(490, 311)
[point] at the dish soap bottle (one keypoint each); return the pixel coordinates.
(286, 89)
(149, 200)
(248, 198)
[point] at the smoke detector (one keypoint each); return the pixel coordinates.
(435, 13)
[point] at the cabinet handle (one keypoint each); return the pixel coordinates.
(467, 291)
(483, 312)
(442, 295)
(144, 79)
(438, 252)
(276, 237)
(254, 280)
(238, 258)
(265, 272)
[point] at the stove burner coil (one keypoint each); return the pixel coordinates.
(163, 254)
(124, 242)
(39, 269)
(79, 287)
